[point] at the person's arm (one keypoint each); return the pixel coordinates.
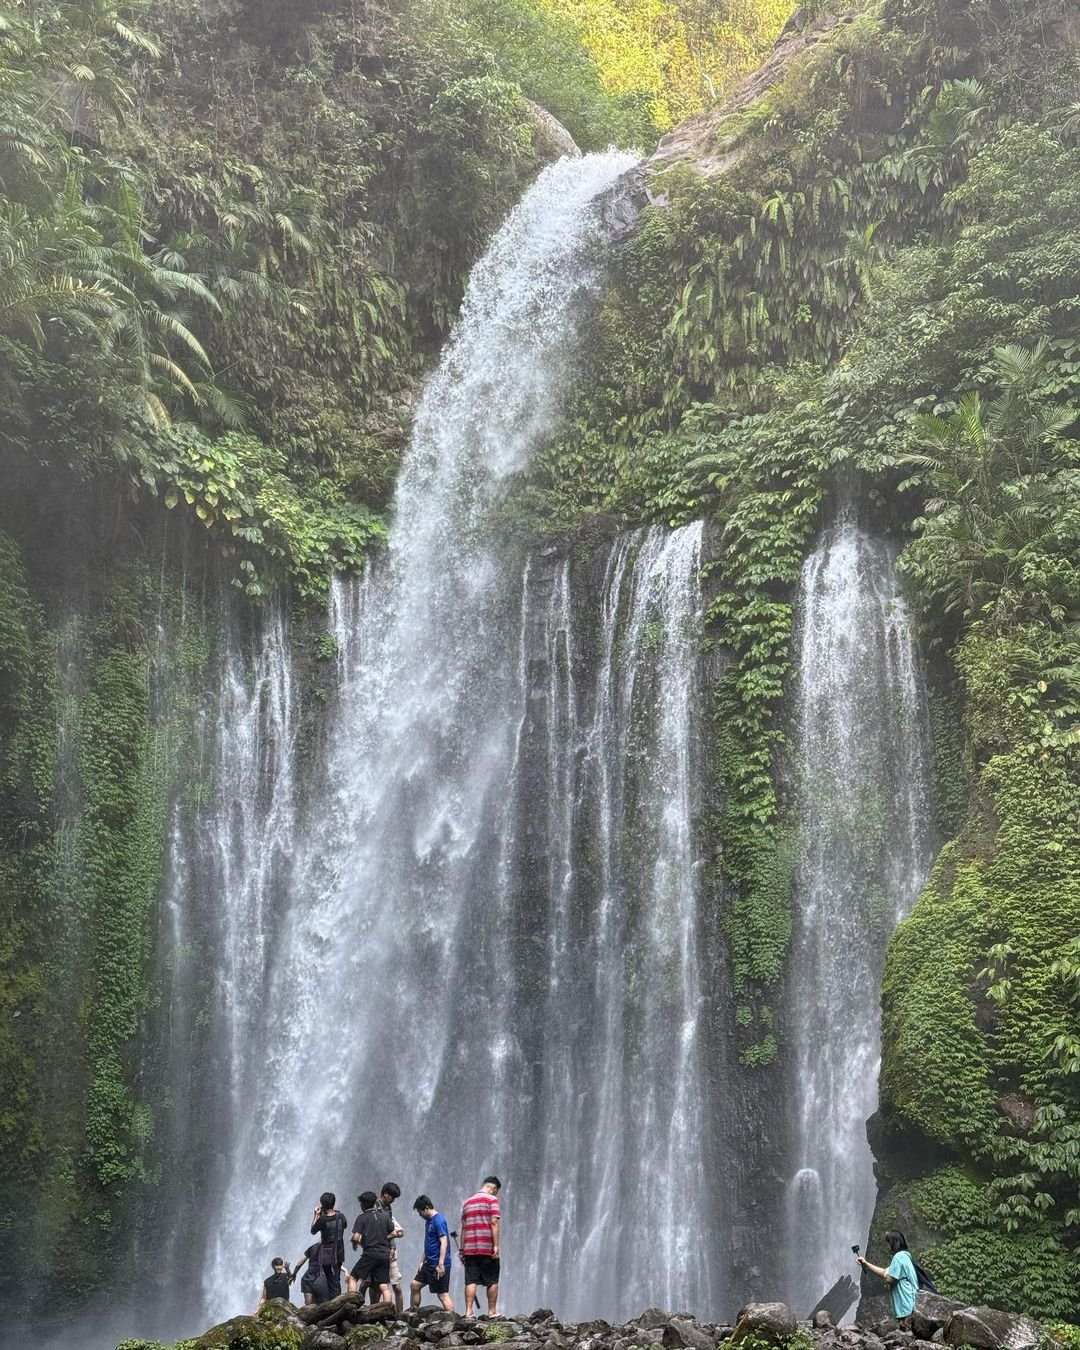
(296, 1269)
(315, 1222)
(496, 1224)
(262, 1297)
(876, 1270)
(444, 1247)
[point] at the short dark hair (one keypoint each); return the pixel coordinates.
(328, 1199)
(895, 1241)
(391, 1188)
(421, 1203)
(492, 1181)
(278, 1261)
(367, 1199)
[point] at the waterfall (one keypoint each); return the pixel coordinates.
(621, 1064)
(862, 737)
(433, 1003)
(228, 865)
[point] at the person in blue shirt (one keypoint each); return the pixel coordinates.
(434, 1272)
(899, 1275)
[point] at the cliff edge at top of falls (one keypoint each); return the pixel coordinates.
(345, 1324)
(701, 142)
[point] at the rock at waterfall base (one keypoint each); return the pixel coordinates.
(991, 1329)
(773, 1322)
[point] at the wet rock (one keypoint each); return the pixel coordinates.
(550, 137)
(323, 1340)
(541, 1315)
(652, 1318)
(683, 1334)
(773, 1322)
(248, 1331)
(932, 1311)
(821, 1321)
(990, 1329)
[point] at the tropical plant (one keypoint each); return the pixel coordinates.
(1006, 501)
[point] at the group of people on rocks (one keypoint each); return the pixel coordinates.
(375, 1235)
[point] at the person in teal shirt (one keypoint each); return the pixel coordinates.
(899, 1275)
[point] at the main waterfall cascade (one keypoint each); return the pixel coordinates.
(479, 938)
(478, 948)
(863, 783)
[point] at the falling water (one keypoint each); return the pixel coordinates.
(863, 791)
(435, 1002)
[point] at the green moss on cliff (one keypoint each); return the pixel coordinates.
(981, 1010)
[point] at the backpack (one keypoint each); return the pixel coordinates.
(923, 1278)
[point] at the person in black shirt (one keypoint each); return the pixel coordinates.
(276, 1285)
(329, 1226)
(311, 1285)
(372, 1232)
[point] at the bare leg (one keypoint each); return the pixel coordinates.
(352, 1285)
(384, 1293)
(447, 1300)
(493, 1300)
(399, 1298)
(470, 1299)
(416, 1290)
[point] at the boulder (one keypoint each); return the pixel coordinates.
(322, 1338)
(597, 1327)
(821, 1321)
(541, 1315)
(550, 137)
(681, 1333)
(931, 1312)
(991, 1329)
(251, 1334)
(279, 1312)
(652, 1318)
(772, 1322)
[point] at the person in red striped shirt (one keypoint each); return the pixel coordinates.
(480, 1222)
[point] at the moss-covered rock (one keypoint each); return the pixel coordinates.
(976, 1139)
(361, 1335)
(249, 1333)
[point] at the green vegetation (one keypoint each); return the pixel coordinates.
(223, 280)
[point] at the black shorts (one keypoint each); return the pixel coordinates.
(373, 1267)
(426, 1275)
(481, 1270)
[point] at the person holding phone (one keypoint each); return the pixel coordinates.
(899, 1275)
(329, 1226)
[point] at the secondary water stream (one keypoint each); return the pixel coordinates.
(862, 737)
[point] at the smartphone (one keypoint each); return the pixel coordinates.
(855, 1248)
